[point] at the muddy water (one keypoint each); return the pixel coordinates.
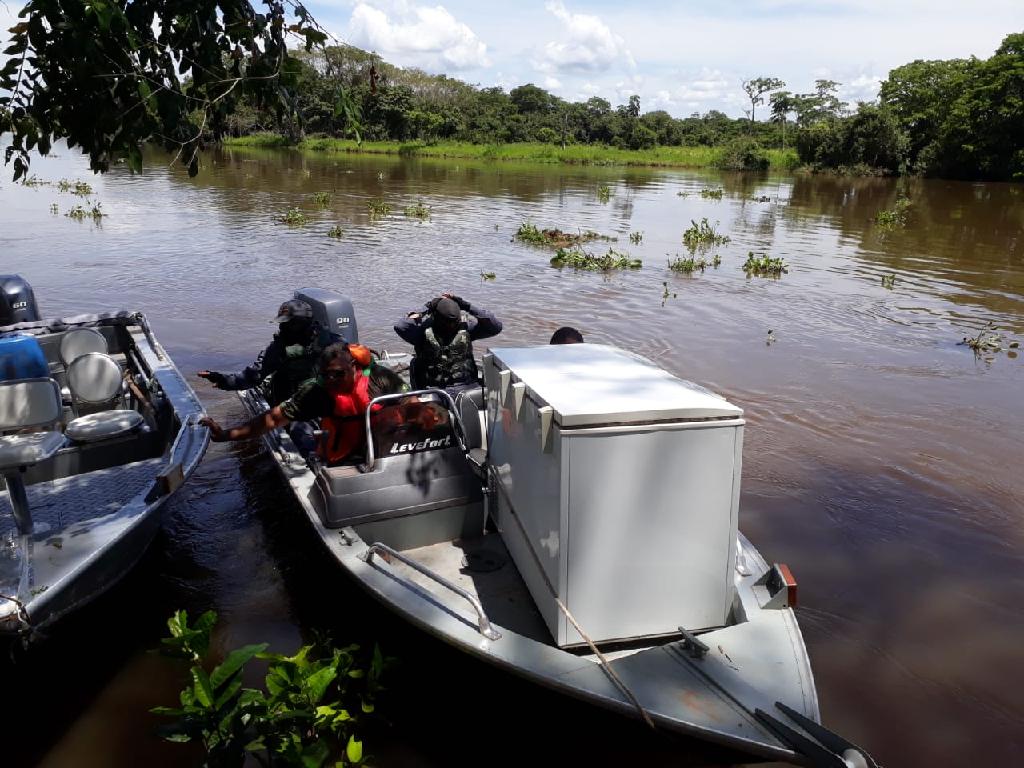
(882, 459)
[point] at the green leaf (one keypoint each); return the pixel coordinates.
(367, 706)
(355, 674)
(228, 693)
(315, 686)
(236, 659)
(135, 159)
(315, 754)
(201, 686)
(354, 750)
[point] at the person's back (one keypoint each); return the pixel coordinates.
(442, 337)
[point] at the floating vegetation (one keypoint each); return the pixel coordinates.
(577, 258)
(322, 199)
(76, 187)
(666, 294)
(487, 276)
(764, 266)
(54, 209)
(682, 194)
(771, 338)
(418, 211)
(604, 193)
(896, 217)
(79, 213)
(889, 281)
(761, 199)
(689, 265)
(702, 235)
(709, 193)
(988, 340)
(378, 208)
(636, 237)
(555, 238)
(34, 181)
(335, 231)
(294, 218)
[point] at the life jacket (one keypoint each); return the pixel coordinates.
(442, 365)
(345, 429)
(300, 361)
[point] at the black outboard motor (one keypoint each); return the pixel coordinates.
(17, 301)
(332, 311)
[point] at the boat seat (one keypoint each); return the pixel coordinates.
(96, 384)
(81, 341)
(27, 404)
(469, 403)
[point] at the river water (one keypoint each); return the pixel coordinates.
(882, 460)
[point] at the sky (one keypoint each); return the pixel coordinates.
(684, 56)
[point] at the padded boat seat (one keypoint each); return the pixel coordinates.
(81, 341)
(102, 425)
(30, 449)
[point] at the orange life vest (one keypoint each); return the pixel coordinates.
(345, 429)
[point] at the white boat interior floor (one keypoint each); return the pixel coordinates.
(483, 567)
(57, 505)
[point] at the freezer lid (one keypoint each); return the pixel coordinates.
(594, 384)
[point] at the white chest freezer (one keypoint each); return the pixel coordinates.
(618, 488)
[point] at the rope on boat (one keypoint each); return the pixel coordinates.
(23, 620)
(601, 658)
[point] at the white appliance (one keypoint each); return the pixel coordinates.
(618, 489)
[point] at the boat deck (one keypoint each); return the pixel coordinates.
(71, 501)
(484, 568)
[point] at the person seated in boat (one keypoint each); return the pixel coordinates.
(288, 361)
(338, 397)
(566, 335)
(442, 335)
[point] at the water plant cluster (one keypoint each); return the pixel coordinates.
(666, 294)
(889, 281)
(577, 258)
(604, 193)
(555, 238)
(378, 208)
(306, 715)
(691, 264)
(321, 199)
(896, 217)
(487, 276)
(294, 217)
(703, 235)
(988, 340)
(80, 213)
(336, 231)
(709, 193)
(80, 188)
(764, 266)
(636, 237)
(418, 211)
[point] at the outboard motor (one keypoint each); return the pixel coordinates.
(17, 301)
(332, 311)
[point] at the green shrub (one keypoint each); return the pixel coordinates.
(741, 154)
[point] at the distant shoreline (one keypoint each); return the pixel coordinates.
(575, 154)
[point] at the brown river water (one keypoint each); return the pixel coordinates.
(883, 461)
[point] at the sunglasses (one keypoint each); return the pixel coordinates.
(334, 375)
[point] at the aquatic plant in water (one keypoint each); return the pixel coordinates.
(308, 712)
(665, 293)
(988, 341)
(76, 187)
(418, 211)
(709, 193)
(577, 258)
(896, 217)
(53, 209)
(889, 281)
(764, 266)
(487, 276)
(555, 238)
(378, 208)
(691, 264)
(702, 235)
(636, 237)
(80, 213)
(294, 218)
(604, 193)
(335, 231)
(322, 199)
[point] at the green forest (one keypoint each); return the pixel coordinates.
(961, 118)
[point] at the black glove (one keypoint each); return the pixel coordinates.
(432, 304)
(217, 379)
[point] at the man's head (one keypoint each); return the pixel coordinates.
(566, 335)
(338, 368)
(447, 316)
(295, 318)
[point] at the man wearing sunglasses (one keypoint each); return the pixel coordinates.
(338, 396)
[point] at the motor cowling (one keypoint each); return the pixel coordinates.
(17, 301)
(332, 311)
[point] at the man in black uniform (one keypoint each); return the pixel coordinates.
(289, 360)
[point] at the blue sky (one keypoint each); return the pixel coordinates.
(679, 56)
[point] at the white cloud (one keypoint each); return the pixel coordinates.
(552, 83)
(414, 34)
(585, 45)
(861, 88)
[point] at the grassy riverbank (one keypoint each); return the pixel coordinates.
(578, 154)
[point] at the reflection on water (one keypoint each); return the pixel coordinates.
(881, 460)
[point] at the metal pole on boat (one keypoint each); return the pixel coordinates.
(19, 501)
